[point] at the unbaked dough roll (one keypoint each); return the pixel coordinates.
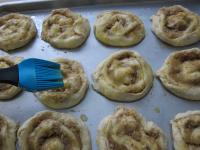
(186, 130)
(16, 30)
(119, 28)
(48, 130)
(123, 76)
(75, 86)
(65, 29)
(8, 129)
(176, 25)
(125, 129)
(8, 91)
(180, 73)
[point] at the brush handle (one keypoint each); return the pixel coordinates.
(10, 75)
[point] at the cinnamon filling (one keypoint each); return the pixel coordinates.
(51, 140)
(120, 20)
(4, 87)
(55, 137)
(190, 131)
(124, 70)
(131, 127)
(193, 145)
(128, 123)
(185, 67)
(116, 21)
(178, 22)
(114, 145)
(152, 134)
(38, 120)
(61, 23)
(5, 63)
(72, 125)
(10, 26)
(2, 123)
(190, 56)
(118, 25)
(133, 132)
(191, 124)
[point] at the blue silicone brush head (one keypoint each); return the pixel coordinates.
(37, 75)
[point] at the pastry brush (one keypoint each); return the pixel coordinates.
(33, 75)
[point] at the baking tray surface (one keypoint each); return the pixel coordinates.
(158, 105)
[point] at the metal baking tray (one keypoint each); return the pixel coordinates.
(158, 105)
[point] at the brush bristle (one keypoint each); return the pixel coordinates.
(43, 73)
(48, 75)
(36, 74)
(48, 78)
(45, 63)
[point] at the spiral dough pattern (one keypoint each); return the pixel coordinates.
(75, 86)
(125, 129)
(16, 30)
(176, 25)
(65, 29)
(180, 73)
(119, 28)
(186, 130)
(49, 130)
(123, 76)
(8, 129)
(8, 91)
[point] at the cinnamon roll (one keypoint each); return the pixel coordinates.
(186, 130)
(176, 25)
(16, 30)
(75, 86)
(8, 129)
(48, 130)
(65, 29)
(8, 91)
(123, 76)
(180, 73)
(125, 129)
(119, 28)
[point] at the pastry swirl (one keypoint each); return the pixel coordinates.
(123, 76)
(180, 73)
(65, 29)
(176, 25)
(186, 130)
(16, 30)
(125, 129)
(8, 91)
(8, 129)
(48, 130)
(119, 28)
(75, 86)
